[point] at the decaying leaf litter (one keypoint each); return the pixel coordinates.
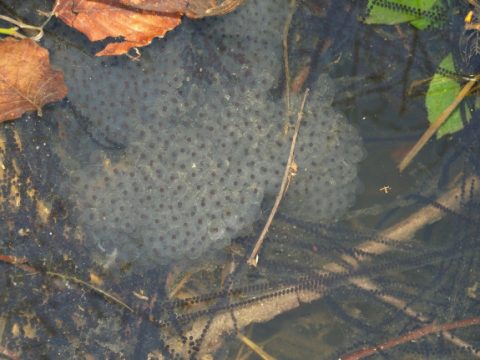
(26, 81)
(212, 310)
(98, 21)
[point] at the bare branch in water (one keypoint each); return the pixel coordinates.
(287, 176)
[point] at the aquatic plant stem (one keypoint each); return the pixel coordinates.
(411, 336)
(432, 129)
(287, 175)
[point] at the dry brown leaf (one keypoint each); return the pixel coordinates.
(27, 81)
(166, 6)
(191, 8)
(100, 20)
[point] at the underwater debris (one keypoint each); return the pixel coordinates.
(261, 303)
(27, 81)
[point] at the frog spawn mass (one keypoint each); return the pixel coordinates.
(197, 139)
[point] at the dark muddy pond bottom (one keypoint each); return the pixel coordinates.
(129, 210)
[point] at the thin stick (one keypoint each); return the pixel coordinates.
(432, 129)
(21, 263)
(179, 285)
(252, 260)
(257, 349)
(244, 352)
(411, 336)
(286, 66)
(91, 287)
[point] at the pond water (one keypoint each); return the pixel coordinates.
(136, 202)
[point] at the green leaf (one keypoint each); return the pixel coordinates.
(441, 93)
(391, 12)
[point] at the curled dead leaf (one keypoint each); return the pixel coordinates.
(138, 22)
(27, 81)
(165, 6)
(100, 20)
(191, 8)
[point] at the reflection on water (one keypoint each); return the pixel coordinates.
(139, 198)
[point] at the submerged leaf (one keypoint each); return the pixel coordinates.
(391, 12)
(100, 20)
(27, 81)
(441, 93)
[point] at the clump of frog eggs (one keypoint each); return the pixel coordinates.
(189, 152)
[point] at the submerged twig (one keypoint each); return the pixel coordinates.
(21, 263)
(176, 289)
(286, 66)
(432, 129)
(91, 287)
(287, 175)
(290, 169)
(411, 336)
(257, 349)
